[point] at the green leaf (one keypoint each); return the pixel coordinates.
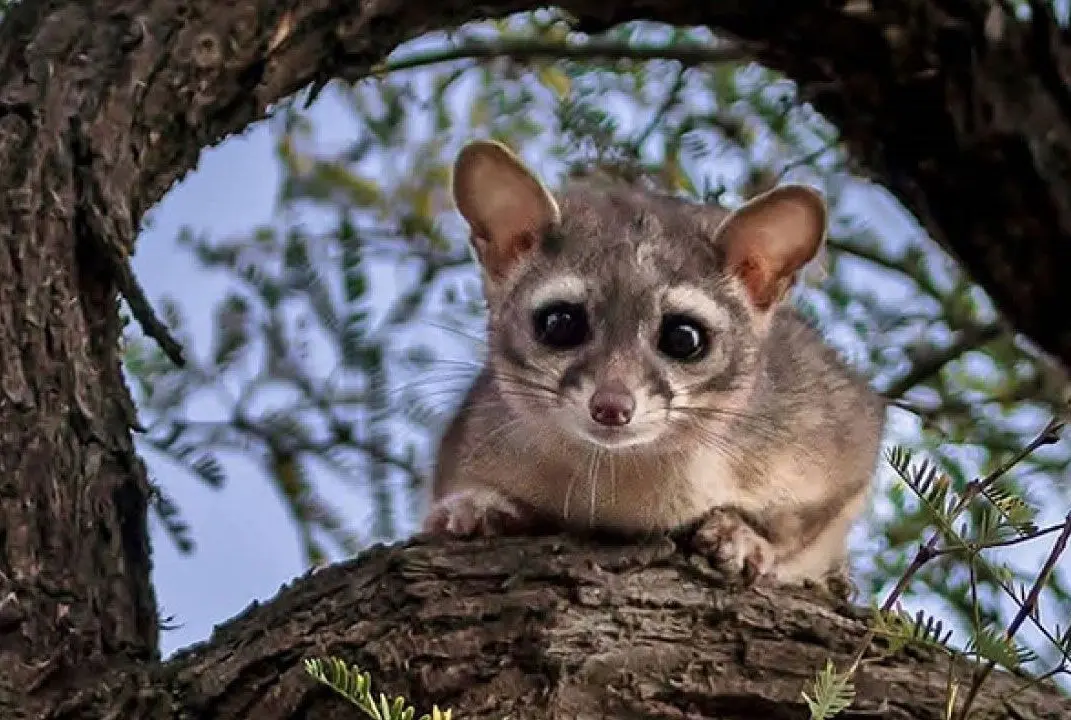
(232, 330)
(990, 643)
(356, 687)
(553, 77)
(833, 693)
(900, 629)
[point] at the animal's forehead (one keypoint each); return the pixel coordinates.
(619, 231)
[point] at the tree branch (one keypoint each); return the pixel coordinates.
(1028, 608)
(535, 629)
(929, 365)
(688, 54)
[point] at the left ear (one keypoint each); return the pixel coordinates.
(768, 239)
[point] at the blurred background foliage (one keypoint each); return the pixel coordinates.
(347, 338)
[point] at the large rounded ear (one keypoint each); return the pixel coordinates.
(768, 239)
(507, 207)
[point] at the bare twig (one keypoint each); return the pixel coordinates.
(1017, 540)
(974, 488)
(806, 159)
(970, 338)
(1034, 681)
(928, 551)
(1026, 609)
(899, 266)
(659, 115)
(687, 53)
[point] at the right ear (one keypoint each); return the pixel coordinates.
(771, 237)
(506, 206)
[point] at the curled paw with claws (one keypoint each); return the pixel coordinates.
(474, 512)
(730, 543)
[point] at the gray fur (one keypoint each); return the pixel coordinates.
(795, 432)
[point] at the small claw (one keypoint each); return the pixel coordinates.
(473, 512)
(730, 543)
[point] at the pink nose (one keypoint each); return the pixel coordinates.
(612, 404)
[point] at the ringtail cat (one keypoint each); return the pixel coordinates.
(645, 372)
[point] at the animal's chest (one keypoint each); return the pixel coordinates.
(627, 492)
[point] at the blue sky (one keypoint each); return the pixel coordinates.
(245, 546)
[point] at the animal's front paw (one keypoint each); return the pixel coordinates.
(726, 539)
(479, 512)
(840, 584)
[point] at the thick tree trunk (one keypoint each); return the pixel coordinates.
(537, 629)
(105, 103)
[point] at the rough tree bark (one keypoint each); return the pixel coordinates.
(105, 103)
(539, 629)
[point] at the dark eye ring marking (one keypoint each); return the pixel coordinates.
(683, 338)
(561, 325)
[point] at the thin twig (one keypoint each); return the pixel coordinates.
(899, 266)
(805, 160)
(974, 488)
(659, 116)
(1026, 609)
(1035, 681)
(970, 338)
(212, 429)
(140, 307)
(1009, 591)
(687, 53)
(1017, 540)
(927, 552)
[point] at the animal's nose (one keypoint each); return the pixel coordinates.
(612, 404)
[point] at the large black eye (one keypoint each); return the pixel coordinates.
(682, 338)
(561, 325)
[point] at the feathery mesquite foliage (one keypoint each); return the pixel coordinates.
(988, 645)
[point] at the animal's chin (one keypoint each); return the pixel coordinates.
(615, 438)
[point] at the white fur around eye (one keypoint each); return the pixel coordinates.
(691, 300)
(567, 288)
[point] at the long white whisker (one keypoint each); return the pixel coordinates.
(613, 482)
(594, 475)
(506, 427)
(567, 504)
(478, 339)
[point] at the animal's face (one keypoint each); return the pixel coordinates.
(623, 325)
(618, 316)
